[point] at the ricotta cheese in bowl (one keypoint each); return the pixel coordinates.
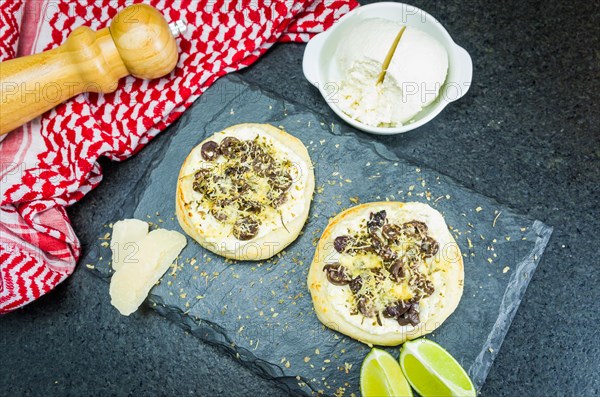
(427, 71)
(414, 76)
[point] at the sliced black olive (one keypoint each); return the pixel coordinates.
(376, 243)
(254, 150)
(262, 162)
(429, 247)
(200, 177)
(230, 147)
(377, 219)
(414, 228)
(413, 314)
(391, 232)
(396, 310)
(336, 274)
(210, 150)
(262, 168)
(427, 287)
(199, 186)
(364, 307)
(224, 202)
(397, 271)
(249, 206)
(356, 285)
(340, 243)
(281, 181)
(218, 214)
(250, 148)
(202, 173)
(377, 272)
(389, 312)
(276, 198)
(245, 228)
(387, 254)
(379, 247)
(241, 186)
(235, 170)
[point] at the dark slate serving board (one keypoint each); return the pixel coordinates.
(261, 313)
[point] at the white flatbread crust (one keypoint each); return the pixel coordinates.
(273, 236)
(329, 300)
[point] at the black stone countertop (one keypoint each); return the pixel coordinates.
(526, 134)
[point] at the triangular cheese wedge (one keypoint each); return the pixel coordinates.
(132, 282)
(125, 236)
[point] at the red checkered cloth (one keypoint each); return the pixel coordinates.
(52, 162)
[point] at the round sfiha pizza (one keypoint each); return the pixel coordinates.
(386, 272)
(245, 192)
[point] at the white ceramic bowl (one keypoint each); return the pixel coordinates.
(320, 66)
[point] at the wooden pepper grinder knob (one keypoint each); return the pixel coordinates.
(139, 41)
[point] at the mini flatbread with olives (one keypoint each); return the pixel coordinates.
(386, 272)
(245, 192)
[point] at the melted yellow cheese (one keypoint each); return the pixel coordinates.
(381, 289)
(260, 186)
(360, 262)
(401, 291)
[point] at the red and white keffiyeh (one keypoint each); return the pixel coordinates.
(51, 162)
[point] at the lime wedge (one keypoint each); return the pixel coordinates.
(381, 376)
(432, 371)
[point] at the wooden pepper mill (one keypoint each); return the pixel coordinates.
(139, 41)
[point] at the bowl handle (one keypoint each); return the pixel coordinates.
(465, 72)
(310, 60)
